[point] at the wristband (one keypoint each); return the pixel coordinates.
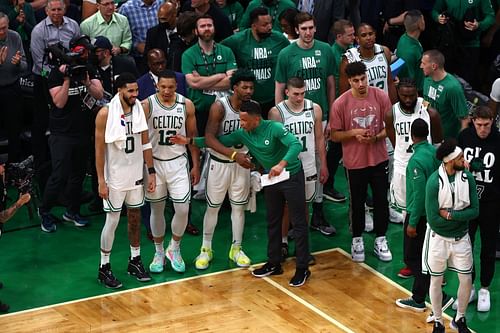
(233, 155)
(147, 146)
(191, 141)
(151, 170)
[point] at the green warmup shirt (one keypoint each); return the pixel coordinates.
(410, 50)
(314, 65)
(421, 165)
(459, 223)
(269, 143)
(234, 12)
(260, 57)
(338, 52)
(219, 61)
(447, 97)
(456, 9)
(274, 10)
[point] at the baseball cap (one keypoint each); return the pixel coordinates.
(77, 44)
(102, 42)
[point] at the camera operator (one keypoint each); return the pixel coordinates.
(74, 89)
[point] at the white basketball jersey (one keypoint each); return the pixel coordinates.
(301, 124)
(377, 68)
(402, 126)
(123, 168)
(230, 123)
(165, 122)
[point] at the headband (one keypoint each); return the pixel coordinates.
(451, 156)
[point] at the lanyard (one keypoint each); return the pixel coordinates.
(214, 60)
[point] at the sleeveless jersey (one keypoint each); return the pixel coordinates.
(230, 123)
(402, 125)
(302, 126)
(165, 122)
(123, 168)
(377, 68)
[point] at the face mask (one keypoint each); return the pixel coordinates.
(165, 26)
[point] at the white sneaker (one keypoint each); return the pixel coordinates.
(472, 298)
(368, 220)
(483, 300)
(395, 216)
(381, 249)
(358, 249)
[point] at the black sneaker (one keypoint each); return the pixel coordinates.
(438, 327)
(136, 268)
(284, 252)
(318, 221)
(333, 195)
(300, 277)
(107, 278)
(48, 223)
(460, 325)
(267, 269)
(4, 307)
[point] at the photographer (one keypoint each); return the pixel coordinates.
(74, 89)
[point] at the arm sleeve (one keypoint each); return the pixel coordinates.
(458, 102)
(230, 139)
(438, 8)
(291, 141)
(231, 60)
(187, 63)
(472, 211)
(199, 141)
(127, 36)
(419, 181)
(488, 14)
(280, 68)
(431, 201)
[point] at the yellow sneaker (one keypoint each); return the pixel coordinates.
(239, 257)
(203, 259)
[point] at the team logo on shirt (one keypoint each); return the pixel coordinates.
(317, 53)
(266, 142)
(219, 57)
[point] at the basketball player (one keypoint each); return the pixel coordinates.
(168, 114)
(224, 175)
(120, 156)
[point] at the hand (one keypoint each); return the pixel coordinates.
(3, 54)
(103, 190)
(359, 131)
(86, 81)
(365, 139)
(179, 139)
(276, 170)
(116, 50)
(411, 231)
(327, 133)
(62, 69)
(443, 213)
(16, 59)
(442, 19)
(195, 175)
(471, 25)
(21, 17)
(323, 174)
(244, 160)
(23, 199)
(151, 183)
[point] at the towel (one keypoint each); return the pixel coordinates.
(461, 198)
(255, 186)
(352, 55)
(116, 127)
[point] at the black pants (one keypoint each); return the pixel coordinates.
(412, 248)
(291, 191)
(69, 162)
(487, 222)
(40, 120)
(333, 157)
(11, 118)
(377, 177)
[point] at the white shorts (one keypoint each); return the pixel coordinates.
(311, 187)
(441, 252)
(226, 177)
(397, 191)
(173, 180)
(132, 198)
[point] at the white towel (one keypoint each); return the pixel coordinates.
(255, 186)
(461, 198)
(116, 130)
(352, 55)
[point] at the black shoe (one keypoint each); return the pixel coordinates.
(107, 278)
(438, 327)
(267, 269)
(284, 252)
(333, 195)
(460, 325)
(4, 307)
(136, 268)
(300, 277)
(318, 221)
(192, 230)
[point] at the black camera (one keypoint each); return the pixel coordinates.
(75, 59)
(20, 175)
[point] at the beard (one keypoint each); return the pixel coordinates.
(130, 101)
(458, 167)
(264, 35)
(410, 106)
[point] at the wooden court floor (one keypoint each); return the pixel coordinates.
(341, 296)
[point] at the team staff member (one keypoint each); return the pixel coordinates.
(481, 145)
(450, 203)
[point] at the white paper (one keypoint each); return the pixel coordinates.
(266, 181)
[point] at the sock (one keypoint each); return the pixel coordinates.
(237, 223)
(159, 248)
(135, 251)
(463, 293)
(105, 258)
(174, 245)
(209, 223)
(436, 296)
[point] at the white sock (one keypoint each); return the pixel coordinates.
(463, 294)
(180, 218)
(105, 257)
(238, 223)
(135, 251)
(159, 248)
(174, 245)
(436, 296)
(209, 223)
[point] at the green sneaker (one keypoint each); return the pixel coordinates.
(204, 258)
(176, 261)
(409, 303)
(239, 257)
(156, 266)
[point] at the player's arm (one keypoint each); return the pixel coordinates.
(389, 127)
(393, 95)
(436, 127)
(191, 131)
(147, 153)
(100, 150)
(320, 144)
(215, 116)
(343, 82)
(274, 114)
(145, 107)
(279, 91)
